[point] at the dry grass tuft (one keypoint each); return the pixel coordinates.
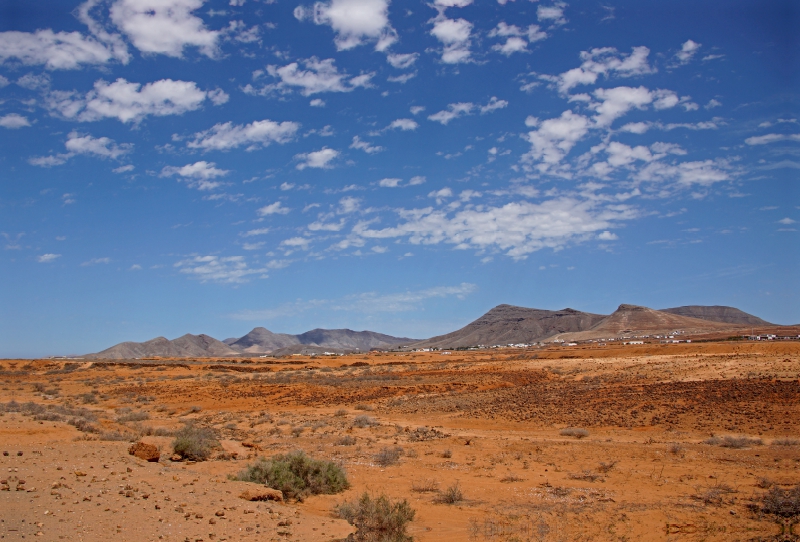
(576, 432)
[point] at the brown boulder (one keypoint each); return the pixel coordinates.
(261, 494)
(148, 452)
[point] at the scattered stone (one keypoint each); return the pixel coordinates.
(175, 457)
(19, 453)
(212, 521)
(261, 494)
(147, 452)
(80, 473)
(219, 513)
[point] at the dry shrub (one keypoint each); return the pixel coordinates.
(367, 408)
(425, 486)
(341, 412)
(364, 421)
(133, 417)
(447, 454)
(346, 440)
(576, 432)
(782, 502)
(587, 476)
(451, 495)
(786, 441)
(676, 449)
(195, 443)
(511, 477)
(388, 456)
(606, 467)
(729, 441)
(714, 495)
(377, 519)
(296, 475)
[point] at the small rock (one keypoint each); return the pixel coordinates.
(212, 521)
(261, 494)
(19, 453)
(147, 452)
(175, 457)
(219, 513)
(80, 473)
(5, 453)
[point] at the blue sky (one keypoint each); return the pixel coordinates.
(174, 166)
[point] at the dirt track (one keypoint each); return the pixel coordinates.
(489, 421)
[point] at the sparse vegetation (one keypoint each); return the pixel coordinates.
(784, 503)
(195, 443)
(296, 475)
(368, 408)
(388, 456)
(377, 519)
(346, 440)
(451, 495)
(425, 486)
(510, 478)
(786, 441)
(576, 432)
(133, 417)
(733, 442)
(676, 449)
(364, 421)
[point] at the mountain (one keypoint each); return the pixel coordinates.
(261, 340)
(719, 313)
(508, 324)
(186, 346)
(630, 320)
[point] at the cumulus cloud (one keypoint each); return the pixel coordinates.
(318, 76)
(687, 52)
(703, 173)
(102, 147)
(131, 102)
(257, 134)
(517, 229)
(47, 258)
(353, 21)
(389, 183)
(402, 61)
(554, 14)
(198, 175)
(318, 159)
(771, 138)
(95, 261)
(403, 124)
(460, 109)
(272, 209)
(225, 270)
(615, 102)
(603, 61)
(454, 34)
(13, 121)
(164, 26)
(514, 37)
(555, 137)
(59, 50)
(365, 146)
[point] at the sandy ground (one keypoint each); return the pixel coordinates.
(489, 421)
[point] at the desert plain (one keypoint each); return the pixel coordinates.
(635, 442)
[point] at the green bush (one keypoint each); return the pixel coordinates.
(195, 443)
(296, 475)
(377, 520)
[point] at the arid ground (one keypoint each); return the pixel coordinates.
(557, 443)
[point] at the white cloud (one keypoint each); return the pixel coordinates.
(4, 82)
(225, 270)
(635, 127)
(493, 105)
(97, 146)
(348, 204)
(417, 180)
(198, 175)
(364, 303)
(786, 221)
(603, 61)
(552, 13)
(615, 102)
(257, 134)
(354, 21)
(703, 173)
(317, 102)
(441, 194)
(164, 26)
(607, 236)
(47, 258)
(389, 183)
(712, 103)
(456, 110)
(272, 209)
(318, 159)
(129, 102)
(688, 50)
(771, 138)
(365, 146)
(123, 169)
(517, 228)
(95, 261)
(555, 138)
(455, 36)
(300, 243)
(259, 231)
(511, 46)
(403, 124)
(13, 121)
(453, 3)
(318, 76)
(58, 50)
(77, 143)
(402, 60)
(34, 82)
(403, 78)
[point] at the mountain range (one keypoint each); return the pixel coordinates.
(504, 324)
